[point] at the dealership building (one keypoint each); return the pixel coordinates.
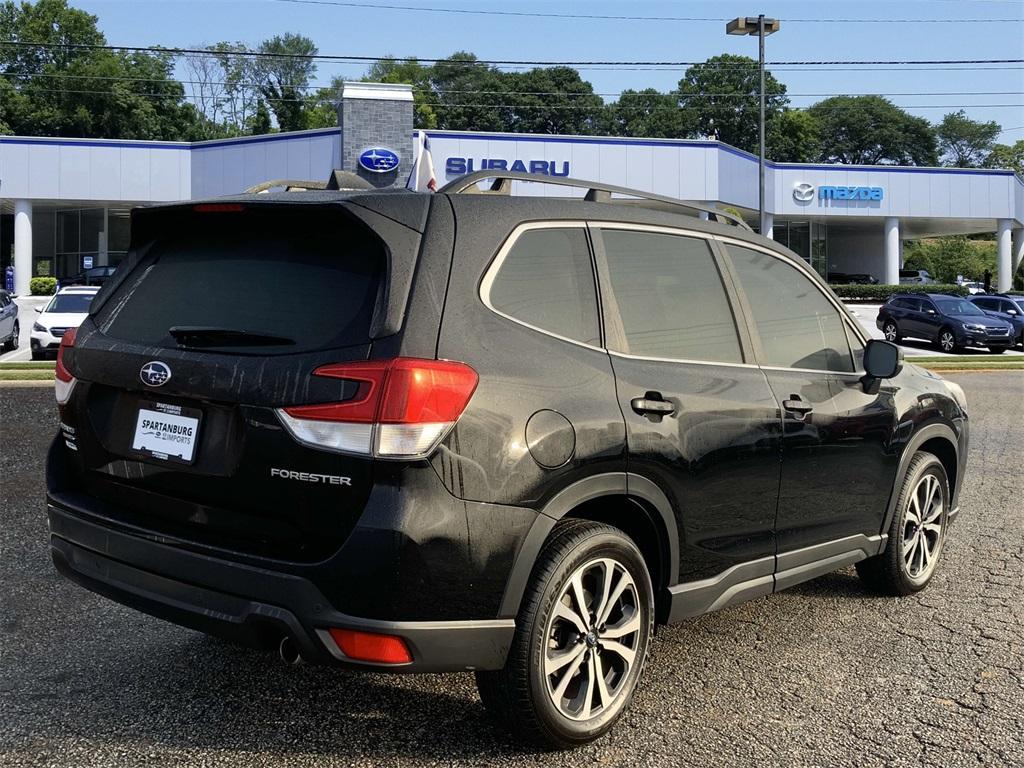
(65, 203)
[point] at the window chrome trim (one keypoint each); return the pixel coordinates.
(683, 360)
(495, 266)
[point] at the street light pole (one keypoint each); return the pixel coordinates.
(762, 27)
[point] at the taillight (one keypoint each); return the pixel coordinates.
(403, 408)
(64, 382)
(369, 646)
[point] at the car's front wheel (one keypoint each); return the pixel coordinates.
(947, 341)
(917, 532)
(581, 639)
(891, 331)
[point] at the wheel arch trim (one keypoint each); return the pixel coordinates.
(920, 437)
(625, 484)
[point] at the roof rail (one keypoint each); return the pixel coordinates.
(596, 193)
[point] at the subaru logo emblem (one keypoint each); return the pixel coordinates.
(155, 374)
(378, 159)
(803, 192)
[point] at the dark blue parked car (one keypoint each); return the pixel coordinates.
(949, 322)
(1009, 309)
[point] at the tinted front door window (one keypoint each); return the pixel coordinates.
(798, 326)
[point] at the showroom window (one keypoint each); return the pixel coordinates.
(546, 280)
(670, 297)
(798, 326)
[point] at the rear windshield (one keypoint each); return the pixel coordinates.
(302, 281)
(70, 303)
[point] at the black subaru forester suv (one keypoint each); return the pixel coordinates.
(460, 431)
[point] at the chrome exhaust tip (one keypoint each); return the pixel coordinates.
(289, 652)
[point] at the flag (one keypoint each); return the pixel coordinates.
(421, 177)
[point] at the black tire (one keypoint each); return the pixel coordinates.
(889, 573)
(891, 331)
(12, 343)
(38, 354)
(519, 695)
(946, 341)
(997, 350)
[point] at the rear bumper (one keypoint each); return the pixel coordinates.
(251, 605)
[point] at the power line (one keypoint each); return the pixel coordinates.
(371, 59)
(254, 84)
(602, 17)
(490, 105)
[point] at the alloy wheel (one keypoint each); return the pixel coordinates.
(947, 341)
(890, 332)
(922, 528)
(593, 638)
(14, 338)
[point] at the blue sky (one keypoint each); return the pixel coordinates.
(364, 31)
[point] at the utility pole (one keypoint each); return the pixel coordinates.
(762, 27)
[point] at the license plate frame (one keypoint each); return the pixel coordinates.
(169, 414)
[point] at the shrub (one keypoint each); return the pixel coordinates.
(42, 286)
(946, 258)
(882, 293)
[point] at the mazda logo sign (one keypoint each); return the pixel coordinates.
(803, 192)
(155, 373)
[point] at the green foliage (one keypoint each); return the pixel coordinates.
(259, 124)
(1007, 156)
(284, 76)
(946, 258)
(470, 96)
(649, 113)
(42, 286)
(963, 142)
(872, 130)
(552, 100)
(411, 72)
(794, 137)
(74, 91)
(882, 293)
(721, 97)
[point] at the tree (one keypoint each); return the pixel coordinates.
(963, 142)
(872, 130)
(207, 87)
(470, 96)
(284, 71)
(552, 100)
(794, 136)
(721, 95)
(947, 258)
(69, 90)
(241, 86)
(410, 71)
(259, 122)
(649, 113)
(1007, 156)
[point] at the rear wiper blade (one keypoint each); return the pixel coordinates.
(207, 336)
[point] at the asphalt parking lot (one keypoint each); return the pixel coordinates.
(822, 675)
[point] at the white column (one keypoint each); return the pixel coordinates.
(22, 246)
(1003, 262)
(769, 225)
(1016, 249)
(892, 251)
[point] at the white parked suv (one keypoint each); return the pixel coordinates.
(66, 310)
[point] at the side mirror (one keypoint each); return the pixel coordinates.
(882, 360)
(1011, 312)
(39, 310)
(931, 311)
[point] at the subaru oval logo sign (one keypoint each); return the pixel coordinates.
(155, 373)
(378, 159)
(803, 192)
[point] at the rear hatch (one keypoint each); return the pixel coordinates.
(220, 315)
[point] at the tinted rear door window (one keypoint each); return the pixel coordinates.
(670, 297)
(312, 279)
(798, 326)
(546, 280)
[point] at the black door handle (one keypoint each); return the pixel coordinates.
(797, 406)
(652, 404)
